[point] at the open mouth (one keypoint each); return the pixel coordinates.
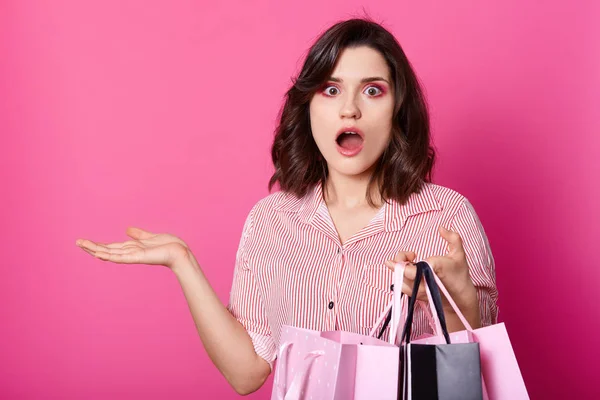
(350, 141)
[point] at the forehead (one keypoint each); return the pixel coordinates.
(359, 62)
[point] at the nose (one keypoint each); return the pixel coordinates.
(350, 108)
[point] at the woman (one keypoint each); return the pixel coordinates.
(353, 160)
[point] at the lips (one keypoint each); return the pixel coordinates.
(349, 141)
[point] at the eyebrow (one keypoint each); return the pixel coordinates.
(364, 80)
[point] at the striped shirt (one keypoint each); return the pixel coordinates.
(292, 269)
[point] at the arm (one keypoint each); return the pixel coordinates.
(238, 342)
(470, 310)
(227, 343)
(479, 303)
(467, 271)
(237, 338)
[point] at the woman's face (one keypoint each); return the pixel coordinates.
(358, 97)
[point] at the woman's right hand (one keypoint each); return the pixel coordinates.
(226, 341)
(145, 248)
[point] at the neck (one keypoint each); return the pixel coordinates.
(349, 191)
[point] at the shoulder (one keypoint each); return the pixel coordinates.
(445, 195)
(448, 200)
(270, 207)
(455, 206)
(264, 219)
(272, 203)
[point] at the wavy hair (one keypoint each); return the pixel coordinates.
(409, 158)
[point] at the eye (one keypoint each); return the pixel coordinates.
(374, 91)
(331, 90)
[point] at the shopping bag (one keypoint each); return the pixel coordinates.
(339, 365)
(446, 371)
(500, 370)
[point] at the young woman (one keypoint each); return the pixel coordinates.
(353, 161)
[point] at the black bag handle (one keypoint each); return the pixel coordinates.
(437, 298)
(425, 271)
(406, 331)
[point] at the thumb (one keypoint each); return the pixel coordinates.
(454, 240)
(137, 233)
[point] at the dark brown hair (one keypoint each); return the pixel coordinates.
(408, 160)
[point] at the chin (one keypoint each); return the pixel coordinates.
(352, 167)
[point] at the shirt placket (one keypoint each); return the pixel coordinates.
(333, 279)
(324, 223)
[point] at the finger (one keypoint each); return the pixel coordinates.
(437, 263)
(455, 244)
(410, 272)
(421, 293)
(119, 251)
(88, 244)
(138, 233)
(392, 264)
(405, 256)
(88, 251)
(105, 250)
(119, 245)
(132, 257)
(407, 289)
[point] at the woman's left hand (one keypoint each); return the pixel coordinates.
(453, 271)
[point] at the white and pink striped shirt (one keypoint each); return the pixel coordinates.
(291, 268)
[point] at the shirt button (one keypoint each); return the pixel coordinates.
(339, 250)
(330, 305)
(392, 287)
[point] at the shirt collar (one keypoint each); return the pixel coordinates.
(420, 202)
(395, 214)
(306, 207)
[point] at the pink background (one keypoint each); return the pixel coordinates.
(160, 115)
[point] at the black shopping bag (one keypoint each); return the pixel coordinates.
(437, 371)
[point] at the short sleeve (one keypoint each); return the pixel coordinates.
(480, 259)
(246, 302)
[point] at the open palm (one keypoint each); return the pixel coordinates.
(145, 248)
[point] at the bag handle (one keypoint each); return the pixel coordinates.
(435, 300)
(434, 321)
(406, 331)
(294, 392)
(281, 371)
(396, 314)
(440, 285)
(397, 302)
(393, 311)
(387, 315)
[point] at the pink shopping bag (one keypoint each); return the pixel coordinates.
(501, 373)
(338, 365)
(334, 366)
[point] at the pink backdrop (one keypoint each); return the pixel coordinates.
(160, 115)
